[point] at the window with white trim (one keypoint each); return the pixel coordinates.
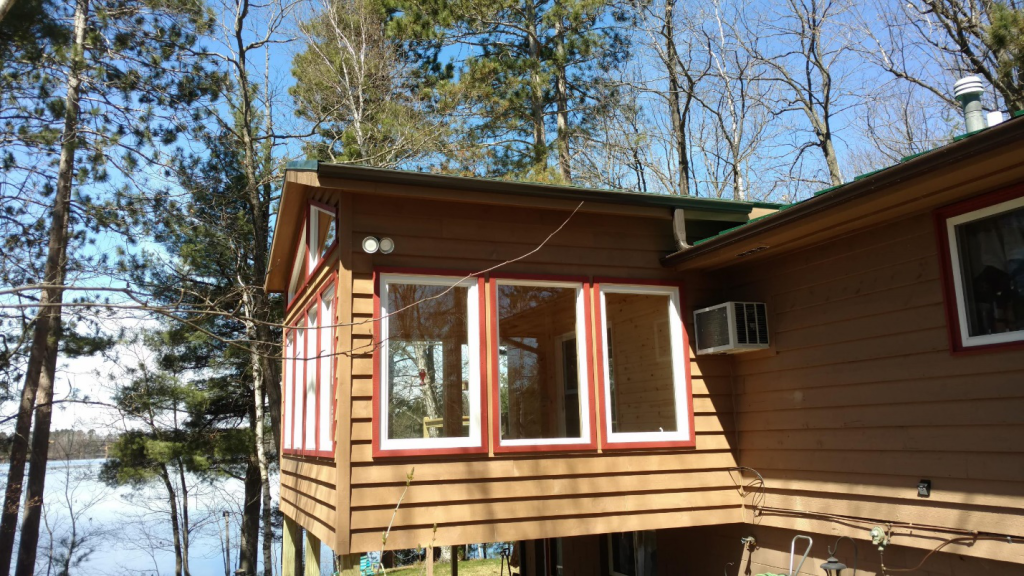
(987, 263)
(323, 233)
(429, 363)
(308, 379)
(643, 367)
(541, 351)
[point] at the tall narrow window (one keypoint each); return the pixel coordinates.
(288, 379)
(541, 351)
(645, 388)
(986, 248)
(325, 445)
(309, 394)
(429, 364)
(298, 386)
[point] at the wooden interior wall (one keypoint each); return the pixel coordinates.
(717, 549)
(642, 362)
(528, 496)
(859, 397)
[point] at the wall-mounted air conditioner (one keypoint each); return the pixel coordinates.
(731, 327)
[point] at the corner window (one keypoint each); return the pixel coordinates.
(644, 367)
(542, 374)
(429, 364)
(986, 251)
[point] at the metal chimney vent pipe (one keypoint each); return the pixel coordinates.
(968, 91)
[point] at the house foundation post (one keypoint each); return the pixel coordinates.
(291, 554)
(312, 555)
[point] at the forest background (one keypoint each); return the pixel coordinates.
(142, 144)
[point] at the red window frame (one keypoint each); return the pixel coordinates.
(493, 367)
(299, 327)
(377, 416)
(946, 271)
(605, 445)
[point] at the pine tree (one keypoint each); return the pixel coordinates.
(530, 73)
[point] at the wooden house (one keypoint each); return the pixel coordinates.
(519, 362)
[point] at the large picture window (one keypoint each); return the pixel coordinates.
(986, 262)
(428, 364)
(308, 379)
(542, 374)
(644, 366)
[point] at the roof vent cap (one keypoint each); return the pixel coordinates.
(968, 86)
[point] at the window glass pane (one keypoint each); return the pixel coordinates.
(991, 253)
(326, 370)
(623, 554)
(428, 361)
(309, 442)
(327, 231)
(287, 378)
(300, 375)
(641, 378)
(538, 369)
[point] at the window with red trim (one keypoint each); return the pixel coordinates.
(308, 379)
(984, 241)
(644, 366)
(428, 364)
(542, 373)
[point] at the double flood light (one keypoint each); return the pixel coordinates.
(372, 244)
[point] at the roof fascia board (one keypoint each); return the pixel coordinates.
(881, 182)
(527, 189)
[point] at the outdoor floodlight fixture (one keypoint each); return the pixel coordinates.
(372, 244)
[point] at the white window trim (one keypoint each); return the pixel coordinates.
(475, 438)
(966, 339)
(679, 351)
(314, 234)
(583, 370)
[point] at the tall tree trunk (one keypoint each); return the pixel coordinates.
(540, 152)
(675, 96)
(42, 364)
(562, 103)
(172, 500)
(256, 362)
(249, 538)
(184, 518)
(5, 6)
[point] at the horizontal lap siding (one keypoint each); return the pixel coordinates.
(509, 497)
(860, 397)
(309, 495)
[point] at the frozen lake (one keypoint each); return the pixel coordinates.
(127, 531)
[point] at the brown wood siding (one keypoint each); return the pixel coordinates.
(709, 550)
(859, 397)
(308, 494)
(511, 497)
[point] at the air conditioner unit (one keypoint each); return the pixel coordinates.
(731, 327)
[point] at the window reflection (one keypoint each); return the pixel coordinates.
(428, 361)
(538, 367)
(992, 271)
